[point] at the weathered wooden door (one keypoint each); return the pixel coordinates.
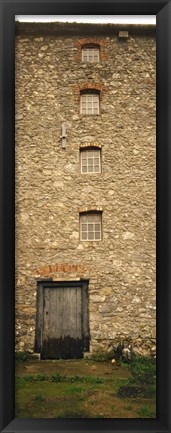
(64, 320)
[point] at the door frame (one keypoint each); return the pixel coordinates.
(42, 285)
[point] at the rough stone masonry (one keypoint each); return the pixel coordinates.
(52, 192)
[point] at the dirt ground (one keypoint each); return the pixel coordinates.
(72, 367)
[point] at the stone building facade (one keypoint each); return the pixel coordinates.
(85, 182)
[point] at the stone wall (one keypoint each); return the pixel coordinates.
(51, 191)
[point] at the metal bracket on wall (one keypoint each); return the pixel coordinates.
(64, 135)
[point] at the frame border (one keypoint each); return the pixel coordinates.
(8, 10)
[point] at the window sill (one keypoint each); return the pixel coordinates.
(90, 115)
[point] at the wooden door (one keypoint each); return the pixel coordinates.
(64, 321)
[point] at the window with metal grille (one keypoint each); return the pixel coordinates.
(90, 160)
(89, 103)
(90, 54)
(91, 226)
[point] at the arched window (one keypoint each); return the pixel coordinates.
(89, 101)
(90, 53)
(91, 226)
(90, 160)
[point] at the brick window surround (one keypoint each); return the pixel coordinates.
(89, 102)
(90, 160)
(90, 53)
(94, 88)
(101, 43)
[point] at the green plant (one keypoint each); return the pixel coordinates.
(143, 370)
(145, 412)
(91, 402)
(74, 389)
(59, 378)
(19, 380)
(38, 397)
(68, 413)
(23, 356)
(128, 407)
(32, 378)
(142, 383)
(93, 379)
(81, 394)
(75, 379)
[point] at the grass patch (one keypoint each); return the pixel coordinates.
(79, 389)
(146, 412)
(143, 370)
(20, 380)
(74, 389)
(85, 379)
(24, 356)
(38, 397)
(142, 382)
(128, 407)
(58, 379)
(80, 413)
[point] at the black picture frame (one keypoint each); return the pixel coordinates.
(162, 10)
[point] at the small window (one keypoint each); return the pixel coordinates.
(90, 160)
(89, 103)
(90, 54)
(91, 226)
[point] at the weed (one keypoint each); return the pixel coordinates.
(143, 380)
(38, 397)
(41, 377)
(63, 392)
(23, 356)
(93, 380)
(124, 364)
(31, 378)
(59, 378)
(80, 413)
(76, 379)
(128, 407)
(75, 389)
(151, 391)
(145, 412)
(81, 398)
(36, 377)
(143, 370)
(19, 380)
